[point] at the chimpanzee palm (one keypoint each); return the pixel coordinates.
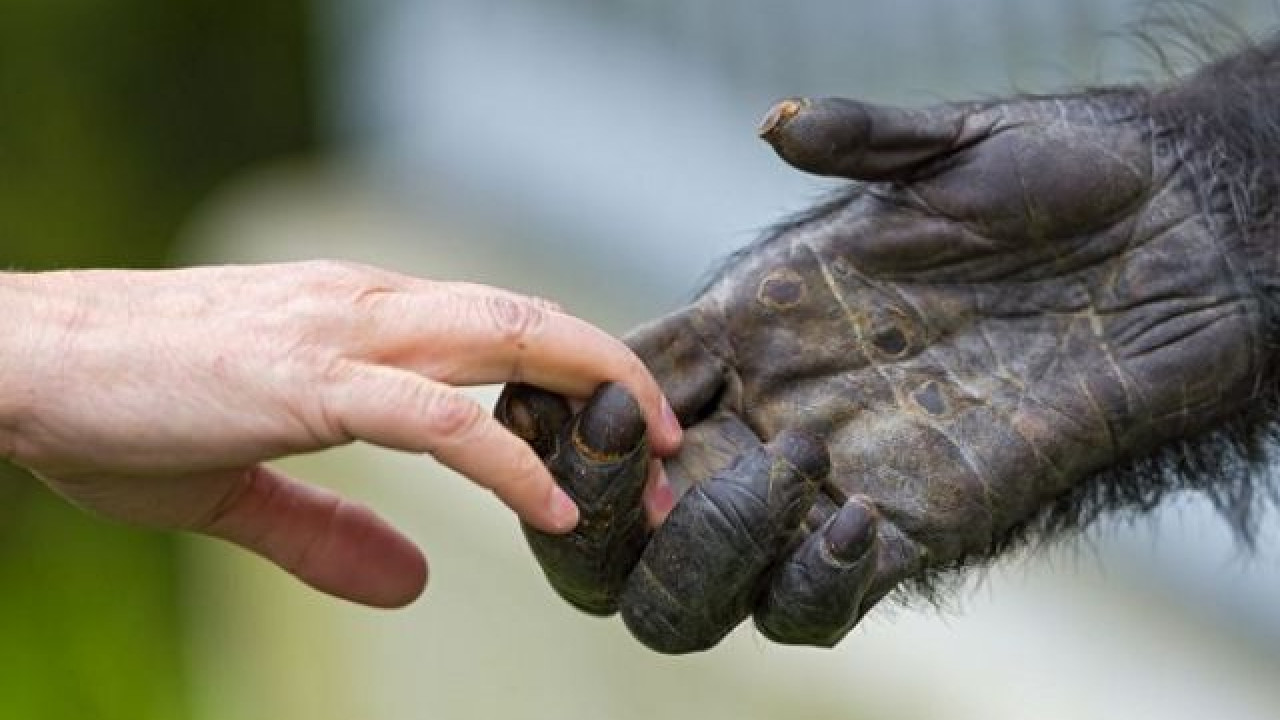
(1011, 302)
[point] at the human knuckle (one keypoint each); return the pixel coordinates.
(330, 270)
(449, 415)
(324, 414)
(332, 371)
(514, 319)
(330, 295)
(374, 298)
(515, 477)
(315, 286)
(526, 466)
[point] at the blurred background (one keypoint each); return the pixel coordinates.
(600, 152)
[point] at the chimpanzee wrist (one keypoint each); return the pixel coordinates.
(1223, 123)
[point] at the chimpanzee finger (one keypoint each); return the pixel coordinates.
(815, 596)
(600, 459)
(860, 141)
(699, 575)
(675, 350)
(533, 414)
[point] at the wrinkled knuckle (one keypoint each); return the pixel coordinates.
(334, 380)
(515, 320)
(334, 298)
(333, 371)
(330, 382)
(342, 279)
(374, 299)
(330, 271)
(449, 416)
(518, 474)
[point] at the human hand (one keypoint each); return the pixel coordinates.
(1012, 298)
(152, 398)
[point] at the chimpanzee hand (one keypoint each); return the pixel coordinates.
(1012, 297)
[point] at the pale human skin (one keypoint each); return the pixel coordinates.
(154, 398)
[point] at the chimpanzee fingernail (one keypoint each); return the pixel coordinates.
(778, 115)
(533, 414)
(851, 532)
(611, 425)
(564, 512)
(520, 419)
(805, 451)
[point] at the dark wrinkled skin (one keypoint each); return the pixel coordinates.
(1012, 297)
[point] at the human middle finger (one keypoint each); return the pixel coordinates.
(471, 338)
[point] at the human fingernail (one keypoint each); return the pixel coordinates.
(661, 498)
(564, 512)
(672, 423)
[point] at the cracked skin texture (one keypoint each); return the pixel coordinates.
(1011, 297)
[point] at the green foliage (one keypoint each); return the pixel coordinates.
(88, 614)
(116, 118)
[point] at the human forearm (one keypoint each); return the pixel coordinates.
(23, 319)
